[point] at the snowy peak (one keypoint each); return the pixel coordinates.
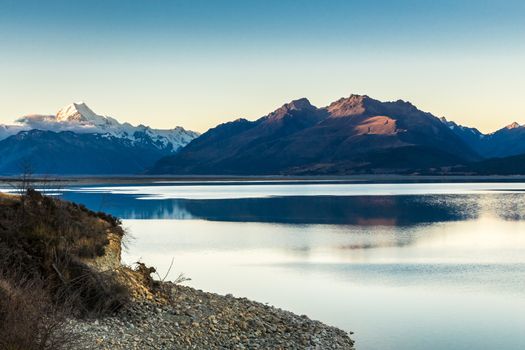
(79, 118)
(76, 117)
(81, 114)
(77, 112)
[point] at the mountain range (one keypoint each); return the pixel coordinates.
(352, 135)
(76, 140)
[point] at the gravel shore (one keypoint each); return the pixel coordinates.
(194, 319)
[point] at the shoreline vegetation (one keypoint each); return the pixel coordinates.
(62, 286)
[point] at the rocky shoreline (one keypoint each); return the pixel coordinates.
(194, 319)
(62, 286)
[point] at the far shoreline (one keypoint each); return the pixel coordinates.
(259, 179)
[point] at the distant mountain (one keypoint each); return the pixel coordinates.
(505, 142)
(78, 141)
(357, 134)
(471, 136)
(508, 141)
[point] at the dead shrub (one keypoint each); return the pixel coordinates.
(93, 293)
(47, 239)
(29, 320)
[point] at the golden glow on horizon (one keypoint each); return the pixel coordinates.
(201, 117)
(209, 94)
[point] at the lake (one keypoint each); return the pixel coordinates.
(403, 265)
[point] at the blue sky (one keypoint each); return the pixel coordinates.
(198, 63)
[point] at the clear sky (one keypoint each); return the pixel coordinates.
(198, 63)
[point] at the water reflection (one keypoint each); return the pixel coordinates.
(354, 210)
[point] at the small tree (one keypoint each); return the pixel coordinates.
(26, 180)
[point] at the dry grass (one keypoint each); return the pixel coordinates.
(28, 318)
(44, 238)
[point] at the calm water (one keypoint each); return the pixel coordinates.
(404, 266)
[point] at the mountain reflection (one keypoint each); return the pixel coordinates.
(351, 210)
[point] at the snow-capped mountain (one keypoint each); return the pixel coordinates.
(79, 118)
(79, 141)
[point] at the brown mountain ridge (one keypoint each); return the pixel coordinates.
(357, 134)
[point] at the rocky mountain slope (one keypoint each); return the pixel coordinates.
(357, 134)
